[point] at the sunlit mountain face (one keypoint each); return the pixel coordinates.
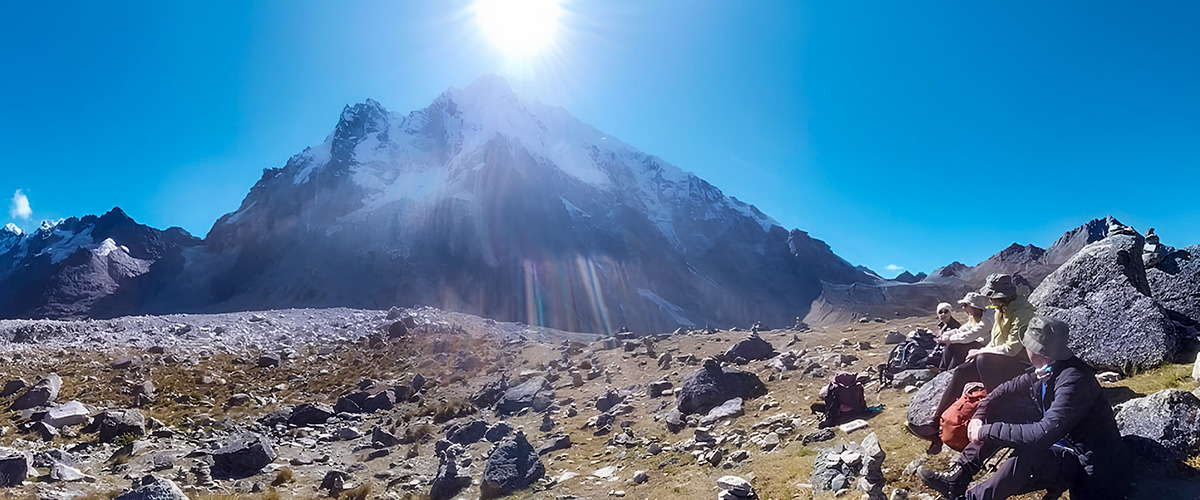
(486, 204)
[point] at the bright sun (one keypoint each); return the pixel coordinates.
(519, 28)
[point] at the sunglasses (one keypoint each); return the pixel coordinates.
(944, 311)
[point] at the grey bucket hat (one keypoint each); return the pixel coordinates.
(999, 286)
(975, 300)
(1047, 337)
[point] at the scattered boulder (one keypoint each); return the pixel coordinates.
(712, 385)
(66, 473)
(41, 394)
(490, 394)
(818, 436)
(498, 431)
(112, 424)
(380, 437)
(512, 466)
(352, 402)
(752, 348)
(894, 337)
(243, 456)
(13, 386)
(729, 409)
(383, 400)
(1164, 426)
(536, 393)
(310, 413)
(734, 488)
(155, 488)
(912, 377)
(397, 330)
(450, 479)
(922, 407)
(71, 413)
(657, 388)
(14, 467)
(1103, 294)
(467, 432)
(608, 400)
(268, 360)
(556, 442)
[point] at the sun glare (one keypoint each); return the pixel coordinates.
(519, 28)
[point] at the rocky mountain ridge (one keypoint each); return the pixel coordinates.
(480, 203)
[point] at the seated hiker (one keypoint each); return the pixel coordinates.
(997, 362)
(841, 400)
(974, 334)
(946, 320)
(1070, 443)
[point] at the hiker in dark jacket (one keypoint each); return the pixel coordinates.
(1071, 442)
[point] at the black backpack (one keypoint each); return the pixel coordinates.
(919, 349)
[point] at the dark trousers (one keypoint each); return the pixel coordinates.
(956, 354)
(991, 369)
(1054, 470)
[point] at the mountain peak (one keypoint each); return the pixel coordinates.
(12, 229)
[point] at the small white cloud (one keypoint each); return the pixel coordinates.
(19, 209)
(893, 267)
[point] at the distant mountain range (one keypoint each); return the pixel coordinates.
(906, 295)
(479, 203)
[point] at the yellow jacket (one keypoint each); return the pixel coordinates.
(1011, 321)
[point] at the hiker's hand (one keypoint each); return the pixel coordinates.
(971, 354)
(973, 430)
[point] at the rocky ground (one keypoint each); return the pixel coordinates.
(418, 403)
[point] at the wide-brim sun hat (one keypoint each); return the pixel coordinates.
(999, 286)
(1047, 337)
(974, 299)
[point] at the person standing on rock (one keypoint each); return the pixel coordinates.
(997, 362)
(961, 340)
(1071, 443)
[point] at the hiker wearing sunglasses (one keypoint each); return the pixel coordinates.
(972, 335)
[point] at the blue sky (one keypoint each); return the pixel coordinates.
(901, 134)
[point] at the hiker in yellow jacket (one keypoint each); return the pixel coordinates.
(1002, 359)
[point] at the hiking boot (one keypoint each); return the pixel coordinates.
(952, 484)
(926, 432)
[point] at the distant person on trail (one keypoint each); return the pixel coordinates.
(997, 362)
(973, 335)
(1072, 442)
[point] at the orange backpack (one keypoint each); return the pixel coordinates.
(955, 419)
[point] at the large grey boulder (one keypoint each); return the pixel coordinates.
(466, 433)
(1163, 426)
(922, 406)
(243, 456)
(729, 409)
(41, 394)
(1103, 294)
(1175, 283)
(712, 385)
(513, 466)
(14, 467)
(753, 348)
(155, 489)
(536, 393)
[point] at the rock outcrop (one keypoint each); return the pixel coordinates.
(1103, 294)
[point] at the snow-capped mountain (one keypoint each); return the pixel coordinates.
(513, 210)
(73, 268)
(481, 203)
